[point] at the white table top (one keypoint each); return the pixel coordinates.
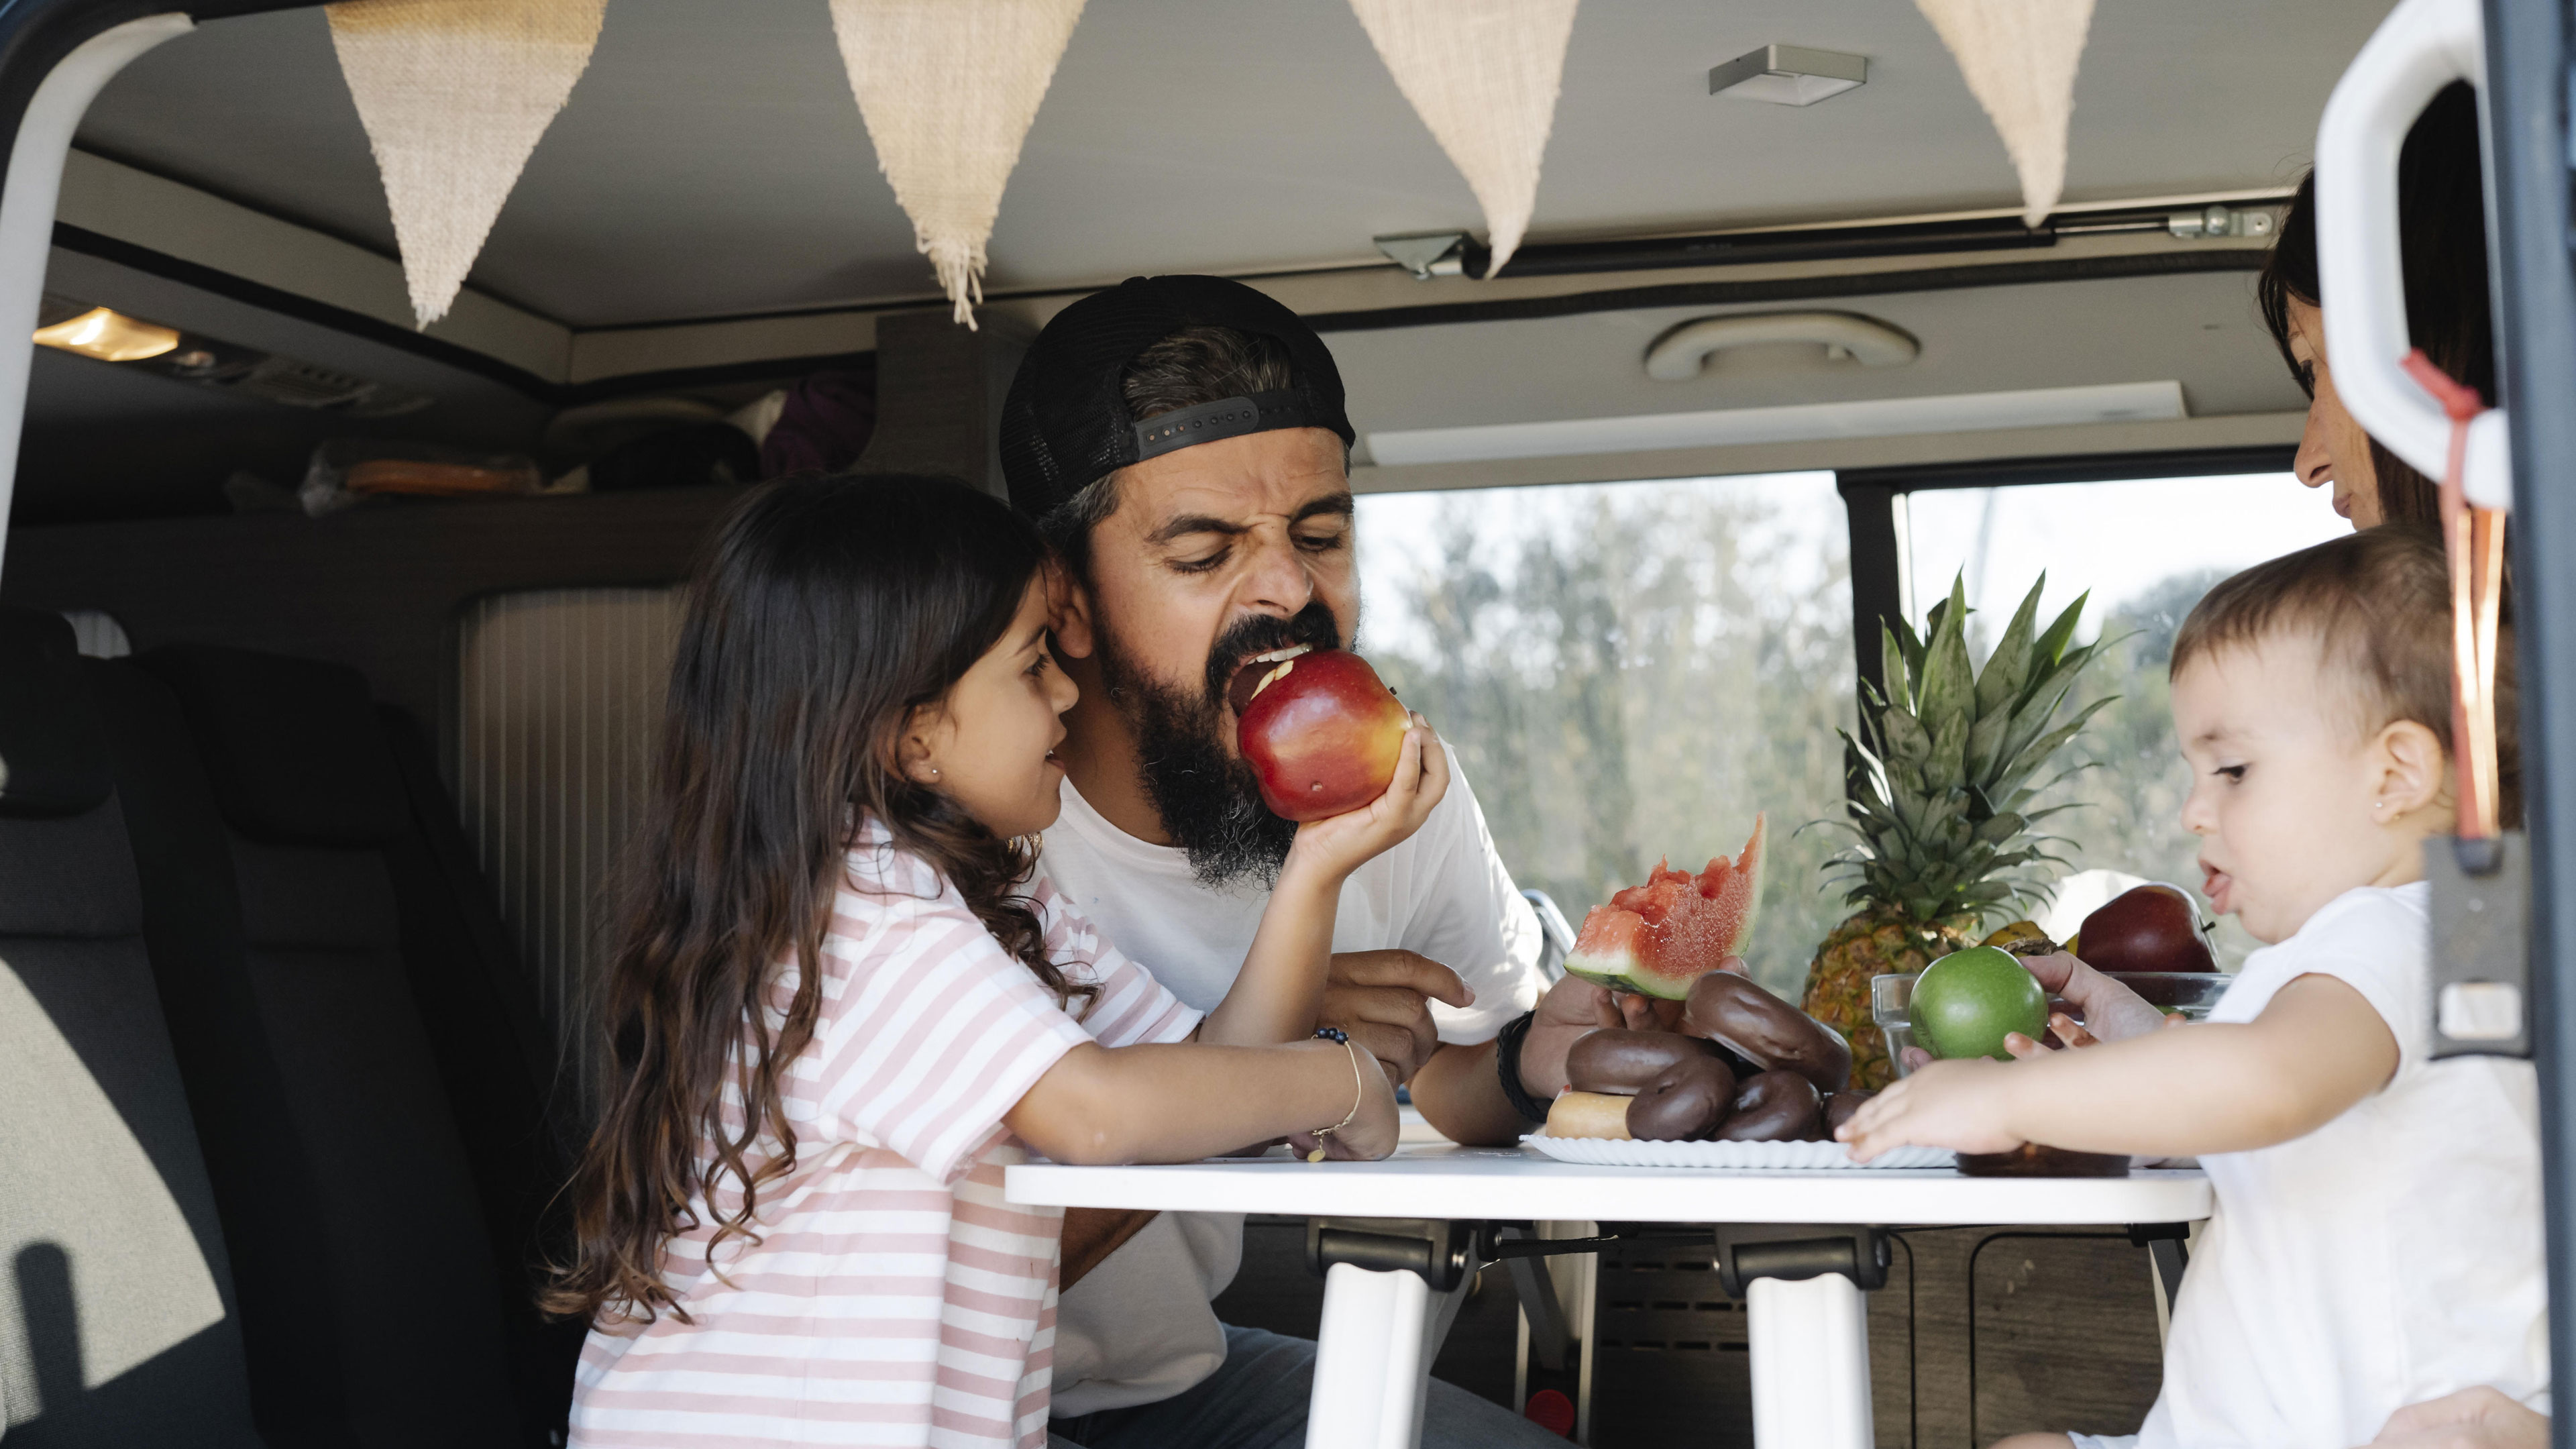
(1509, 1182)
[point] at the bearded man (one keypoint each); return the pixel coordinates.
(1182, 443)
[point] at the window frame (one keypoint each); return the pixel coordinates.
(1871, 498)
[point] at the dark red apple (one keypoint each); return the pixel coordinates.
(1321, 731)
(2153, 927)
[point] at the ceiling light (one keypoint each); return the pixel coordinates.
(1788, 75)
(109, 336)
(74, 324)
(1972, 412)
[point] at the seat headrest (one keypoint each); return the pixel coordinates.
(292, 747)
(52, 760)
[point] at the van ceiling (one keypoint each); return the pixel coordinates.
(712, 162)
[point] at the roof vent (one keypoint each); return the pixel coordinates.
(1788, 75)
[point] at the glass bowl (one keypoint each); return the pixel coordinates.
(2192, 993)
(1890, 998)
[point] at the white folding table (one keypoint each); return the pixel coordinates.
(1809, 1342)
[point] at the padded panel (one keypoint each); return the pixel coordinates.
(395, 1210)
(290, 746)
(479, 1009)
(192, 927)
(71, 876)
(313, 897)
(51, 762)
(386, 1322)
(116, 1322)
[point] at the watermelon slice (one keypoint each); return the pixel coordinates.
(1659, 937)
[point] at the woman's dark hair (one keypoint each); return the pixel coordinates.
(824, 612)
(2442, 236)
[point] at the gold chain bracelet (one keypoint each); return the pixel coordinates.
(1359, 1091)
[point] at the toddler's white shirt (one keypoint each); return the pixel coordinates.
(2392, 1255)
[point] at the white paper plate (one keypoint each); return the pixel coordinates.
(1619, 1152)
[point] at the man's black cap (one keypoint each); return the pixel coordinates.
(1065, 423)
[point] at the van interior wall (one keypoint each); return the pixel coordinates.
(377, 589)
(382, 588)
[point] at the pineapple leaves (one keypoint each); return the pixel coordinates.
(1983, 743)
(1909, 652)
(2051, 646)
(1907, 743)
(2047, 744)
(2009, 666)
(1939, 815)
(1949, 681)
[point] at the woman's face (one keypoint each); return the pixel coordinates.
(2334, 452)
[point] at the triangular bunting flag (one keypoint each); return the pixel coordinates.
(2019, 59)
(454, 94)
(1483, 75)
(948, 88)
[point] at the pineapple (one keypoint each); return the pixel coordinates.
(1942, 772)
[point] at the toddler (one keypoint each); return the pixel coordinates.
(2377, 1237)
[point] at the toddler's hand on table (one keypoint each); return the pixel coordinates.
(1959, 1105)
(2067, 1031)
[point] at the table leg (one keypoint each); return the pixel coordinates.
(1810, 1352)
(1370, 1363)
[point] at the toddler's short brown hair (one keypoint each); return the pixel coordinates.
(2378, 604)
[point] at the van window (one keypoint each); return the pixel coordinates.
(1629, 671)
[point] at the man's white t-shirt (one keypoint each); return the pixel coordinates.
(1138, 1329)
(2391, 1256)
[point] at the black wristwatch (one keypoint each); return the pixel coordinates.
(1507, 1065)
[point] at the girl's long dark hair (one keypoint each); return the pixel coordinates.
(2442, 239)
(824, 612)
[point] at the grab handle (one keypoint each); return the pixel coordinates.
(2421, 47)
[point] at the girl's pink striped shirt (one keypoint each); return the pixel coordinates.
(892, 1296)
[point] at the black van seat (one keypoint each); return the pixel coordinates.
(399, 1331)
(499, 1062)
(117, 1319)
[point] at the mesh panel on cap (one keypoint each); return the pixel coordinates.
(1065, 421)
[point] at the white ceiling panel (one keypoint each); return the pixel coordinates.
(712, 161)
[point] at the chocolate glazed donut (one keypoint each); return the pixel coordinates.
(1840, 1106)
(1774, 1106)
(1684, 1104)
(1766, 1031)
(1618, 1060)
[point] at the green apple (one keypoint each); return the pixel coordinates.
(1967, 1002)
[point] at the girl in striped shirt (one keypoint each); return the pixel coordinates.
(839, 1007)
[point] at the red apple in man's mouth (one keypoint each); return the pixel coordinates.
(1321, 731)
